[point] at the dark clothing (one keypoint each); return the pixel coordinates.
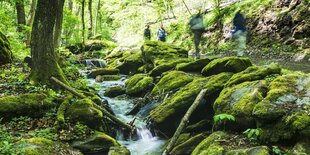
(239, 23)
(161, 34)
(197, 27)
(147, 34)
(197, 37)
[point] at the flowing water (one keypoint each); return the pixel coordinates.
(146, 143)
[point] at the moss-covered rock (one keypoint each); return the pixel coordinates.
(101, 78)
(130, 63)
(119, 151)
(97, 143)
(39, 146)
(34, 105)
(254, 73)
(84, 111)
(159, 52)
(158, 70)
(114, 91)
(171, 81)
(169, 113)
(138, 85)
(6, 55)
(211, 145)
(301, 148)
(284, 112)
(239, 101)
(195, 66)
(258, 150)
(103, 71)
(187, 147)
(226, 64)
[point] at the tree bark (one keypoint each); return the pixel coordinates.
(96, 18)
(21, 17)
(70, 5)
(90, 29)
(44, 64)
(83, 22)
(30, 20)
(58, 24)
(184, 121)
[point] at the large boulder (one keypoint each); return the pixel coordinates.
(138, 85)
(99, 142)
(254, 73)
(168, 114)
(284, 112)
(194, 66)
(83, 111)
(222, 143)
(158, 70)
(171, 81)
(39, 146)
(130, 63)
(226, 64)
(6, 55)
(302, 147)
(31, 104)
(187, 146)
(114, 91)
(159, 52)
(239, 101)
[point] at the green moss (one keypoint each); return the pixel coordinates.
(195, 66)
(84, 111)
(6, 55)
(211, 145)
(258, 150)
(130, 63)
(119, 151)
(26, 104)
(114, 91)
(138, 84)
(99, 142)
(226, 64)
(171, 81)
(188, 145)
(158, 70)
(101, 78)
(299, 121)
(168, 113)
(254, 73)
(103, 71)
(61, 111)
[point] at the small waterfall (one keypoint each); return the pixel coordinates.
(99, 63)
(89, 63)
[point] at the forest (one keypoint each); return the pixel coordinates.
(155, 77)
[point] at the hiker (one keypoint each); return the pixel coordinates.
(197, 27)
(239, 33)
(161, 34)
(147, 33)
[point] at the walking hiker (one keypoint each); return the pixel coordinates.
(197, 27)
(147, 33)
(161, 34)
(239, 33)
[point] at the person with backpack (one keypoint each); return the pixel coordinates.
(197, 27)
(161, 34)
(239, 33)
(147, 33)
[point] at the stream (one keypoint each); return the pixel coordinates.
(146, 143)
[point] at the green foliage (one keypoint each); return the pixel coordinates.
(223, 118)
(44, 133)
(253, 134)
(277, 151)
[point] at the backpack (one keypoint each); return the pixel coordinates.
(161, 33)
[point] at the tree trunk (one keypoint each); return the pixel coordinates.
(30, 20)
(58, 24)
(90, 29)
(96, 18)
(70, 5)
(44, 64)
(21, 17)
(83, 22)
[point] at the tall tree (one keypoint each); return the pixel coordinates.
(90, 29)
(58, 24)
(30, 20)
(21, 17)
(44, 64)
(83, 21)
(96, 18)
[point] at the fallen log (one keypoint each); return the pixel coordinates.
(104, 111)
(184, 122)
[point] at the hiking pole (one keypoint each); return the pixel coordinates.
(187, 8)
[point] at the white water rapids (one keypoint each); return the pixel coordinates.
(146, 144)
